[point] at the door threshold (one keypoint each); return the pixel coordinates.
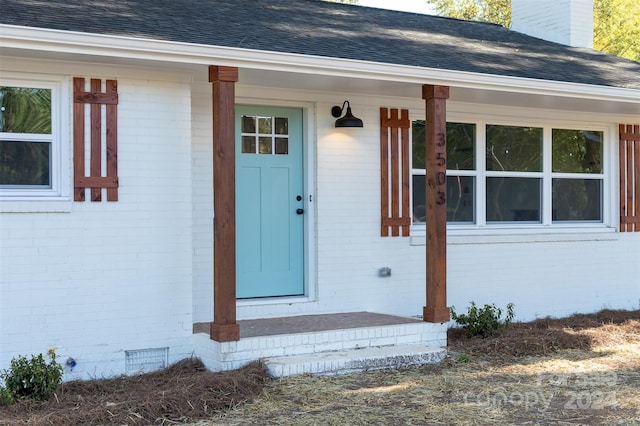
(273, 300)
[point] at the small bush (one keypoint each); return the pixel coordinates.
(35, 378)
(483, 321)
(5, 397)
(464, 358)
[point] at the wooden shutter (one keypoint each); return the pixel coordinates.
(629, 178)
(394, 171)
(94, 99)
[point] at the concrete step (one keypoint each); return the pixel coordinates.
(354, 360)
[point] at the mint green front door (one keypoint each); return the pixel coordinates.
(269, 202)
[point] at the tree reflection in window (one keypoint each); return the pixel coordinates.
(25, 161)
(461, 156)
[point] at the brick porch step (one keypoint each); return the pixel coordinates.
(354, 360)
(325, 343)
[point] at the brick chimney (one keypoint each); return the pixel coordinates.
(569, 22)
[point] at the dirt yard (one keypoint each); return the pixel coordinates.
(582, 370)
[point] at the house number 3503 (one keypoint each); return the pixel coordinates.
(441, 169)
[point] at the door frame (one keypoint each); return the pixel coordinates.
(309, 231)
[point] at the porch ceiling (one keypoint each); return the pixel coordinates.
(403, 89)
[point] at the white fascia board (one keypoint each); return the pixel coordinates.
(39, 39)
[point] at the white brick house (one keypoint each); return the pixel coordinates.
(121, 281)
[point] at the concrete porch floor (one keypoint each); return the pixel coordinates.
(311, 323)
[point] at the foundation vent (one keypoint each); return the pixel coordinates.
(144, 360)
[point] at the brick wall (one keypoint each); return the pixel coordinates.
(568, 22)
(350, 249)
(109, 277)
(202, 190)
(555, 276)
(542, 274)
(105, 278)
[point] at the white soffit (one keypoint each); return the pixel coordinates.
(458, 93)
(133, 49)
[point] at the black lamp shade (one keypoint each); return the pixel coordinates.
(348, 120)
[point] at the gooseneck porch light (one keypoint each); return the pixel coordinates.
(348, 120)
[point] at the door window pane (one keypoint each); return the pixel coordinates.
(25, 164)
(513, 148)
(264, 144)
(577, 151)
(25, 110)
(512, 199)
(248, 124)
(264, 125)
(577, 200)
(248, 145)
(282, 126)
(282, 146)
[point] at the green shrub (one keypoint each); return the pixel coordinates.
(35, 378)
(5, 396)
(464, 358)
(483, 321)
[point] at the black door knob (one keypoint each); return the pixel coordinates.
(300, 211)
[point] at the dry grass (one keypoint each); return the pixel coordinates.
(579, 370)
(184, 392)
(582, 370)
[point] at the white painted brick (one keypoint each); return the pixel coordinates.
(407, 339)
(299, 349)
(244, 344)
(568, 22)
(359, 343)
(88, 262)
(383, 341)
(325, 347)
(146, 260)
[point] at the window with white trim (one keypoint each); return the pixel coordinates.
(513, 175)
(30, 146)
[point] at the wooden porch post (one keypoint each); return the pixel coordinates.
(436, 309)
(224, 327)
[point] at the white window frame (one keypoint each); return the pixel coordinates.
(39, 199)
(546, 226)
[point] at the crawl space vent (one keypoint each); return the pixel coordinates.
(144, 360)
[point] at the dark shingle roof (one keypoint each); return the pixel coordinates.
(313, 27)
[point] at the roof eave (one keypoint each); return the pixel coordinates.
(41, 39)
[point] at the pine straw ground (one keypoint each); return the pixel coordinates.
(584, 369)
